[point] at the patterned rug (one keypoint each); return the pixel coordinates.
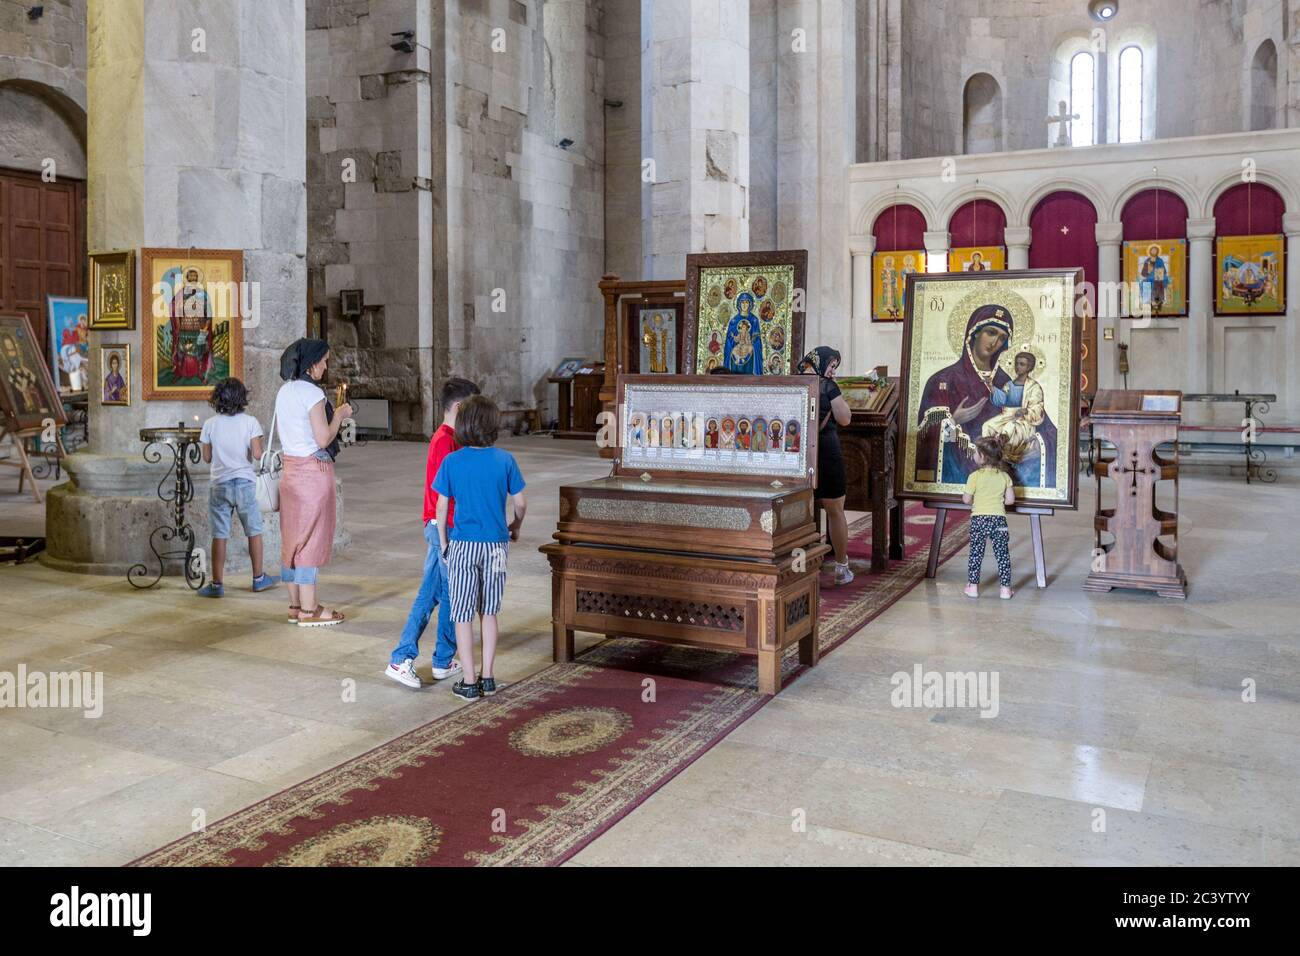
(535, 773)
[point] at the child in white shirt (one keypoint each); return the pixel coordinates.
(232, 441)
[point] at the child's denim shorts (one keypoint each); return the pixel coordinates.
(238, 495)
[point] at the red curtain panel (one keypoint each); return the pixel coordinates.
(1154, 214)
(899, 227)
(1248, 209)
(1064, 235)
(980, 222)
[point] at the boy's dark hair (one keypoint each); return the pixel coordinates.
(1033, 359)
(457, 390)
(229, 397)
(992, 447)
(477, 422)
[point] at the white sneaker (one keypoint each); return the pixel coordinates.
(404, 673)
(843, 575)
(442, 673)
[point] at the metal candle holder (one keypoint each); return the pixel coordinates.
(183, 443)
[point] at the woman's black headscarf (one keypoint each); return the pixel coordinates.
(819, 359)
(295, 364)
(297, 359)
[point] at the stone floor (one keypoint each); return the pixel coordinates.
(1121, 737)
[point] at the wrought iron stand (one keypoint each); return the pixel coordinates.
(177, 489)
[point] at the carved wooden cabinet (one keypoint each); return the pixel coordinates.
(869, 442)
(1142, 550)
(702, 534)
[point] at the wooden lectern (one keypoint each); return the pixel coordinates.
(1136, 422)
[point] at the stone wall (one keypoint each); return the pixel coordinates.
(370, 200)
(524, 217)
(1201, 54)
(43, 86)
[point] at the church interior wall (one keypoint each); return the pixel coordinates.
(1201, 83)
(43, 87)
(525, 216)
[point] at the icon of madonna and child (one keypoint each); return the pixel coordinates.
(974, 397)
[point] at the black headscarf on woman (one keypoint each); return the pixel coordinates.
(295, 364)
(819, 360)
(296, 361)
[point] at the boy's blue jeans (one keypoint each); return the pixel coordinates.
(432, 593)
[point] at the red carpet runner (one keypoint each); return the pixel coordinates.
(537, 772)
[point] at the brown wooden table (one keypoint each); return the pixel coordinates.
(869, 442)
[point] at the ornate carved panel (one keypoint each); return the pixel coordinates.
(664, 513)
(796, 610)
(724, 617)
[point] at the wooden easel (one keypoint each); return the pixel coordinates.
(20, 437)
(1035, 513)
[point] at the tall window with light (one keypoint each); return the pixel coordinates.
(1130, 95)
(1083, 86)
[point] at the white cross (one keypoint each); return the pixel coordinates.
(1063, 117)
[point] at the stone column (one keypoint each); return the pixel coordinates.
(1109, 300)
(1200, 297)
(937, 243)
(861, 249)
(1017, 239)
(816, 132)
(197, 122)
(1291, 226)
(699, 127)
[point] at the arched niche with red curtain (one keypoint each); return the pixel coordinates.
(976, 232)
(900, 251)
(1154, 254)
(1063, 234)
(1249, 251)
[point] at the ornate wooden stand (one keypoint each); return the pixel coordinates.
(869, 443)
(20, 438)
(1136, 422)
(579, 405)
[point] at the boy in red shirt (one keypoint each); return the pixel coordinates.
(433, 587)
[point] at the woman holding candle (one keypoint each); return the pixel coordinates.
(309, 427)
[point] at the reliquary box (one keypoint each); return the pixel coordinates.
(709, 464)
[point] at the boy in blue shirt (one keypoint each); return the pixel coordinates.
(481, 480)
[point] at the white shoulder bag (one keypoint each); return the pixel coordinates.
(269, 469)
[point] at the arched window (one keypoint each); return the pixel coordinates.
(1083, 95)
(982, 115)
(1130, 95)
(1263, 87)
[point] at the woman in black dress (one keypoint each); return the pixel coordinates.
(832, 411)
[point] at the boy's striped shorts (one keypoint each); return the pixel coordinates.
(476, 577)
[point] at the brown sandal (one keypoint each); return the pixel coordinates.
(293, 613)
(319, 617)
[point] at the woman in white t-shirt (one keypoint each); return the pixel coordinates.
(308, 428)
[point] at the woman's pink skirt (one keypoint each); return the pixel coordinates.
(306, 512)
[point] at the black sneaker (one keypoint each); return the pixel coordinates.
(487, 686)
(466, 691)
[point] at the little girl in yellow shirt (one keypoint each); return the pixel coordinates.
(989, 490)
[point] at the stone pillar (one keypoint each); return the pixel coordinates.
(699, 126)
(1109, 300)
(1200, 297)
(937, 243)
(861, 249)
(1017, 239)
(197, 122)
(816, 133)
(1291, 226)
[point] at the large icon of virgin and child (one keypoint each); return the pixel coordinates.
(743, 349)
(975, 397)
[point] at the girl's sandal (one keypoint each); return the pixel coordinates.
(294, 609)
(320, 617)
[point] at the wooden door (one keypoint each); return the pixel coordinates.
(42, 244)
